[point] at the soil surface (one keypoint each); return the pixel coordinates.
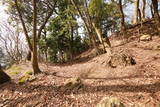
(137, 85)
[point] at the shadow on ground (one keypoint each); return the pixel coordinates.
(48, 92)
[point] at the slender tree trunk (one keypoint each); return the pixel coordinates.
(46, 56)
(18, 54)
(25, 31)
(35, 55)
(99, 34)
(156, 13)
(72, 31)
(23, 25)
(139, 15)
(143, 9)
(46, 48)
(46, 19)
(93, 39)
(88, 27)
(152, 12)
(136, 3)
(95, 26)
(29, 56)
(122, 16)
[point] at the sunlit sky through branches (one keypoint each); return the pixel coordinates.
(127, 10)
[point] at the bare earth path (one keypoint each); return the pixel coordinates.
(136, 86)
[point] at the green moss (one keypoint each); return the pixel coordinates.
(15, 68)
(29, 72)
(24, 79)
(12, 73)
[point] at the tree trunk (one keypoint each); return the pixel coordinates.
(23, 25)
(93, 40)
(71, 42)
(156, 13)
(136, 3)
(99, 34)
(46, 48)
(152, 12)
(122, 16)
(34, 53)
(143, 9)
(25, 31)
(18, 53)
(46, 55)
(88, 27)
(29, 56)
(139, 14)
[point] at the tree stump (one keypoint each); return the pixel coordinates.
(73, 84)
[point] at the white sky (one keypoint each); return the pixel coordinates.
(3, 15)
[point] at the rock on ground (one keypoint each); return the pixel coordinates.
(121, 60)
(110, 102)
(73, 83)
(145, 38)
(3, 76)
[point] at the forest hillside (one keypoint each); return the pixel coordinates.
(135, 82)
(79, 53)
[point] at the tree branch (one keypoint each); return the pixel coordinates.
(23, 25)
(46, 20)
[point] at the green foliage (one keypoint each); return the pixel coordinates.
(24, 79)
(61, 39)
(104, 14)
(111, 17)
(96, 8)
(63, 42)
